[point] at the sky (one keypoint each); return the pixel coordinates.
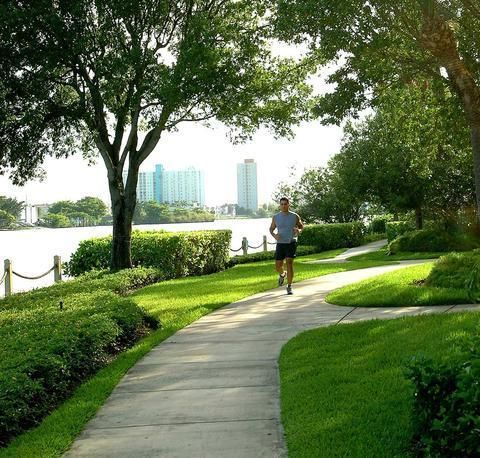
(207, 149)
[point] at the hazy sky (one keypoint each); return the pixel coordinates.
(205, 148)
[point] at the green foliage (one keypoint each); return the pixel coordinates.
(6, 219)
(378, 225)
(446, 411)
(177, 254)
(53, 338)
(84, 212)
(154, 213)
(11, 206)
(396, 228)
(457, 270)
(55, 220)
(329, 236)
(320, 195)
(433, 240)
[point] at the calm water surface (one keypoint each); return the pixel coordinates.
(32, 250)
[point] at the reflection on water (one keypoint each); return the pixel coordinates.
(31, 251)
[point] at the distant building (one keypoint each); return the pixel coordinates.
(171, 186)
(187, 185)
(247, 185)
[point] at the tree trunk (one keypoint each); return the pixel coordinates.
(475, 131)
(438, 38)
(418, 218)
(123, 206)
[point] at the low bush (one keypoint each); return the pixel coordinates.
(51, 339)
(378, 225)
(396, 228)
(457, 270)
(330, 236)
(302, 250)
(446, 410)
(433, 240)
(178, 254)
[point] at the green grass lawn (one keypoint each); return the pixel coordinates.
(343, 389)
(397, 289)
(381, 255)
(176, 303)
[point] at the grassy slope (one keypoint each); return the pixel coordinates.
(397, 289)
(343, 389)
(177, 303)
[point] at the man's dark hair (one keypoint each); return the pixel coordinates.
(284, 199)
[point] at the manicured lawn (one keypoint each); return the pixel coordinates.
(397, 289)
(343, 389)
(176, 303)
(381, 255)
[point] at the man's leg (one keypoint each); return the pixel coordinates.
(289, 270)
(279, 266)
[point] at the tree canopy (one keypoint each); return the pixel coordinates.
(380, 44)
(110, 77)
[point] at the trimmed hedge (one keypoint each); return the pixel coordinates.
(330, 236)
(396, 228)
(54, 338)
(178, 254)
(446, 409)
(433, 240)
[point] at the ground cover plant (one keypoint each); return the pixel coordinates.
(404, 287)
(344, 389)
(176, 303)
(54, 338)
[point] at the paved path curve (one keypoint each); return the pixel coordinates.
(212, 389)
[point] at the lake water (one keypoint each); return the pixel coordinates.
(31, 251)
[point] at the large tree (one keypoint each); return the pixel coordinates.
(416, 158)
(91, 75)
(377, 44)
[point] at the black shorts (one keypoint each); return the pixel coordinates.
(285, 250)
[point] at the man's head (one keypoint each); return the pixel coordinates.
(284, 204)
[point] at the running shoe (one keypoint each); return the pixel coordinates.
(281, 279)
(289, 289)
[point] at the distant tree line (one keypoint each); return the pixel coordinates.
(88, 211)
(153, 212)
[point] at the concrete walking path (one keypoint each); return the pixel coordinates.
(212, 389)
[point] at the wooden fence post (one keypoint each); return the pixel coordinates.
(265, 248)
(245, 245)
(8, 277)
(57, 268)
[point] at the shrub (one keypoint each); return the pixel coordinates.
(178, 254)
(378, 225)
(330, 236)
(432, 240)
(446, 411)
(47, 350)
(396, 228)
(457, 270)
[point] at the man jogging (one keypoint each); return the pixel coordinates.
(288, 225)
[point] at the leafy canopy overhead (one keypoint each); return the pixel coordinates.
(89, 75)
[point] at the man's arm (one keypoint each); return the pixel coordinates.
(298, 226)
(273, 226)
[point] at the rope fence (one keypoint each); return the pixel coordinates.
(9, 273)
(245, 245)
